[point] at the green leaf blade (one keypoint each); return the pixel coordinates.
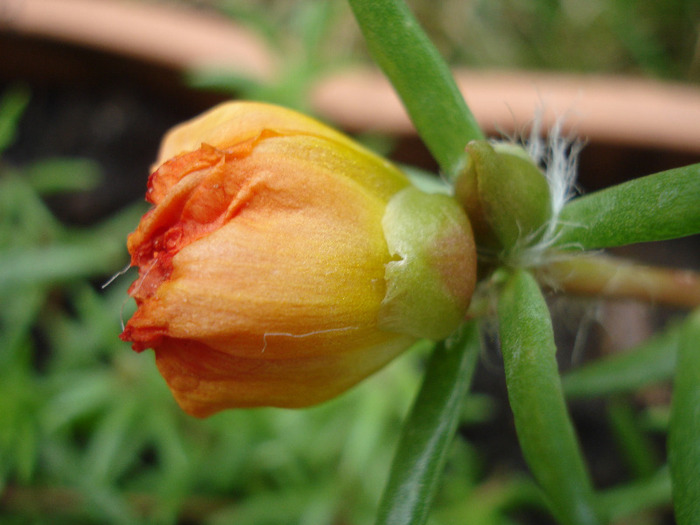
(429, 429)
(657, 207)
(421, 78)
(542, 421)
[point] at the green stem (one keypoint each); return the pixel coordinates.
(606, 276)
(429, 430)
(421, 78)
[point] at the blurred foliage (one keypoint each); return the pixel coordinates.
(647, 37)
(310, 38)
(615, 36)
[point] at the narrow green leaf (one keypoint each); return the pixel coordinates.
(18, 313)
(12, 106)
(226, 82)
(651, 362)
(491, 502)
(114, 437)
(90, 253)
(56, 175)
(624, 501)
(684, 445)
(542, 422)
(653, 208)
(634, 442)
(314, 21)
(77, 395)
(59, 262)
(26, 453)
(284, 506)
(421, 78)
(429, 429)
(20, 395)
(24, 217)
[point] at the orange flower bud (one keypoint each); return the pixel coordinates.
(262, 265)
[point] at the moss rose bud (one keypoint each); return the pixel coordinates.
(264, 266)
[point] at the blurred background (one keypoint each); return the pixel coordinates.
(89, 432)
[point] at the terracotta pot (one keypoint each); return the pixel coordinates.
(614, 110)
(624, 111)
(162, 34)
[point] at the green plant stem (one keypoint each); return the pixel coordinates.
(605, 276)
(542, 422)
(429, 429)
(421, 78)
(684, 445)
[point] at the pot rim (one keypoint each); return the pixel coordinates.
(617, 110)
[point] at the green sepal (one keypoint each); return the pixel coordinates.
(505, 195)
(431, 279)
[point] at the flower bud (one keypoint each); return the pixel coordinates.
(282, 262)
(505, 195)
